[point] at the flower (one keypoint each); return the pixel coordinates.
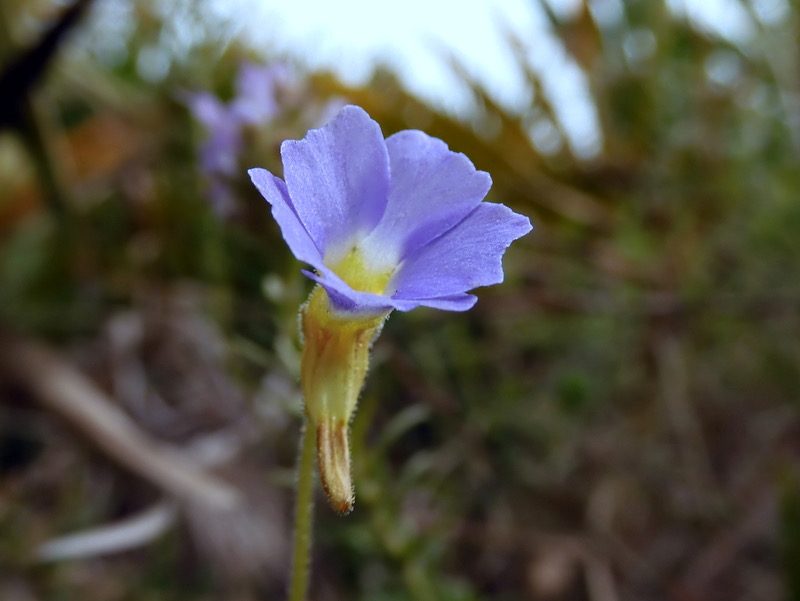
(255, 104)
(220, 152)
(388, 224)
(393, 223)
(257, 90)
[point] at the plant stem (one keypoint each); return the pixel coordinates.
(303, 517)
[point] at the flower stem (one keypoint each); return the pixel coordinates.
(304, 513)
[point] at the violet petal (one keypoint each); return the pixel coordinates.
(456, 302)
(273, 189)
(207, 109)
(468, 255)
(432, 189)
(255, 102)
(345, 299)
(338, 179)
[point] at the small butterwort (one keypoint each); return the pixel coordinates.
(394, 223)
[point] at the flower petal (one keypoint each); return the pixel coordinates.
(273, 189)
(345, 299)
(468, 255)
(432, 189)
(223, 202)
(457, 302)
(354, 302)
(255, 101)
(220, 153)
(206, 108)
(338, 179)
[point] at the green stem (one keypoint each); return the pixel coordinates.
(303, 517)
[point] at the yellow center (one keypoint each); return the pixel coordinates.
(354, 270)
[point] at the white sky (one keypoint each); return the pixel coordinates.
(414, 37)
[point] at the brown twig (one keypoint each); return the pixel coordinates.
(59, 386)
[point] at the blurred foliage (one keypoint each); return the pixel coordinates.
(618, 420)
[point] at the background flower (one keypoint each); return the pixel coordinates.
(255, 104)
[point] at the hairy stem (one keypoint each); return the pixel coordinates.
(304, 512)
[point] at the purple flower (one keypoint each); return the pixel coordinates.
(255, 104)
(257, 90)
(393, 223)
(220, 152)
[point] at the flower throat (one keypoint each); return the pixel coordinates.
(354, 270)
